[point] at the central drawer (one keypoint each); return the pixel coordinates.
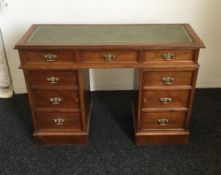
(58, 121)
(53, 78)
(108, 56)
(166, 99)
(55, 98)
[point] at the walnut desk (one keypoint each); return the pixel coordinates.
(56, 61)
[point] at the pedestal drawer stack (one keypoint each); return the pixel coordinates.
(54, 94)
(166, 92)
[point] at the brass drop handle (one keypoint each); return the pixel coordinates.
(168, 80)
(144, 100)
(55, 100)
(53, 80)
(50, 57)
(168, 56)
(163, 122)
(109, 57)
(165, 100)
(59, 121)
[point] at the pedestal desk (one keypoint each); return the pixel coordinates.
(56, 61)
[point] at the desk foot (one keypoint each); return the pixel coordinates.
(156, 137)
(59, 138)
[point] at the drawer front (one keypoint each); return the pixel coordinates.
(108, 56)
(168, 55)
(163, 120)
(165, 99)
(53, 78)
(55, 98)
(58, 121)
(49, 56)
(167, 78)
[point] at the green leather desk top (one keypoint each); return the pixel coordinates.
(107, 35)
(110, 33)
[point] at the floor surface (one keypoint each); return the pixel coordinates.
(111, 148)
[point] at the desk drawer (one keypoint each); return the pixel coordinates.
(58, 121)
(167, 78)
(49, 57)
(163, 120)
(168, 55)
(165, 99)
(108, 56)
(53, 78)
(55, 98)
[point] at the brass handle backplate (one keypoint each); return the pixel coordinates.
(167, 80)
(109, 57)
(163, 122)
(55, 100)
(144, 100)
(50, 57)
(53, 80)
(59, 121)
(165, 100)
(168, 56)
